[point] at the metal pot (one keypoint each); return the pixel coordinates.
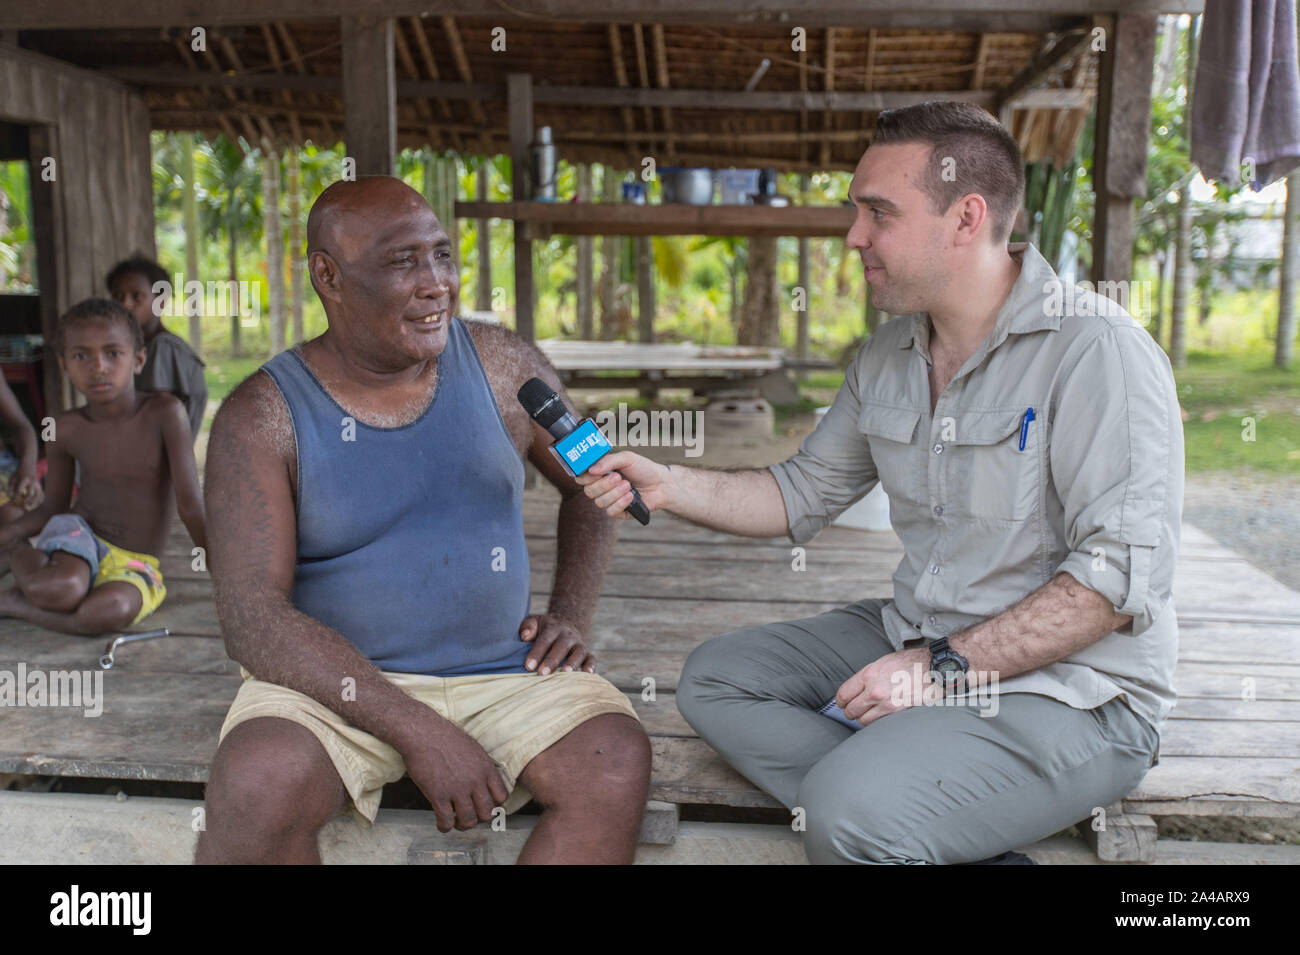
(693, 187)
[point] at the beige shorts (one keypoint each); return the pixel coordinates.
(513, 716)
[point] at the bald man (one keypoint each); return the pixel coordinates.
(371, 574)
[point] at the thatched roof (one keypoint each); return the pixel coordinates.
(611, 92)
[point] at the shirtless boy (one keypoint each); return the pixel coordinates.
(92, 569)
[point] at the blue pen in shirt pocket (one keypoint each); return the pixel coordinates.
(1024, 427)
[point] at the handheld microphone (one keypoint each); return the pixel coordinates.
(578, 444)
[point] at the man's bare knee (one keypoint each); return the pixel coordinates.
(272, 776)
(602, 762)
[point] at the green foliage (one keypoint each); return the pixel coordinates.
(17, 251)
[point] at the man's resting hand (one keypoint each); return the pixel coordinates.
(557, 645)
(455, 773)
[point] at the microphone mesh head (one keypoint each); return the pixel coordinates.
(535, 395)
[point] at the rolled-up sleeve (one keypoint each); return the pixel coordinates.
(833, 467)
(1117, 464)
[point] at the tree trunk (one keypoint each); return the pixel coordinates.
(190, 219)
(1290, 273)
(483, 242)
(236, 351)
(645, 289)
(1183, 238)
(296, 250)
(586, 261)
(801, 315)
(607, 284)
(761, 312)
(1157, 314)
(734, 303)
(274, 248)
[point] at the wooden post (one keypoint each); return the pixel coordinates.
(274, 245)
(1120, 152)
(483, 291)
(369, 95)
(519, 92)
(190, 218)
(296, 251)
(801, 316)
(645, 289)
(48, 235)
(586, 261)
(1290, 271)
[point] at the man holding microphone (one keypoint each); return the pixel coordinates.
(1028, 435)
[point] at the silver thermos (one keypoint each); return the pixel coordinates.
(544, 166)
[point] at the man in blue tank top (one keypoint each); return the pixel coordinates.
(372, 579)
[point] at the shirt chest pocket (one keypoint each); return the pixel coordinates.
(891, 435)
(988, 475)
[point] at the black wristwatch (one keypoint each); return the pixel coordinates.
(948, 666)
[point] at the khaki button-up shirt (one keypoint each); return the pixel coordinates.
(992, 501)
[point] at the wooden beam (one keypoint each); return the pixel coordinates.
(429, 63)
(661, 71)
(272, 50)
(830, 88)
(738, 100)
(963, 15)
(620, 77)
(643, 72)
(1044, 64)
(520, 104)
(1120, 150)
(369, 95)
(617, 218)
(981, 51)
(868, 69)
(462, 67)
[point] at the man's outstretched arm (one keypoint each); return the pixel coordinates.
(743, 502)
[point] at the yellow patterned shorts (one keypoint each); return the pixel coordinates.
(140, 570)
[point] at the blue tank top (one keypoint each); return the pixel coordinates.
(411, 539)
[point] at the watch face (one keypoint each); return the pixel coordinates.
(949, 668)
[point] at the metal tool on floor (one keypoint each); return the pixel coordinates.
(106, 661)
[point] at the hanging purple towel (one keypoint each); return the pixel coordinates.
(1246, 98)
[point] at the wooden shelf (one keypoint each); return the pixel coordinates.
(615, 218)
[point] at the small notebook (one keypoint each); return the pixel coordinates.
(832, 709)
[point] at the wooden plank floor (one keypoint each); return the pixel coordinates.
(670, 587)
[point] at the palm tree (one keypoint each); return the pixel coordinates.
(232, 188)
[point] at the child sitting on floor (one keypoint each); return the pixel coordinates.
(92, 570)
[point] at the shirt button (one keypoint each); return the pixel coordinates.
(938, 449)
(934, 568)
(938, 510)
(931, 621)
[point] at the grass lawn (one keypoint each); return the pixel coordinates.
(1222, 395)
